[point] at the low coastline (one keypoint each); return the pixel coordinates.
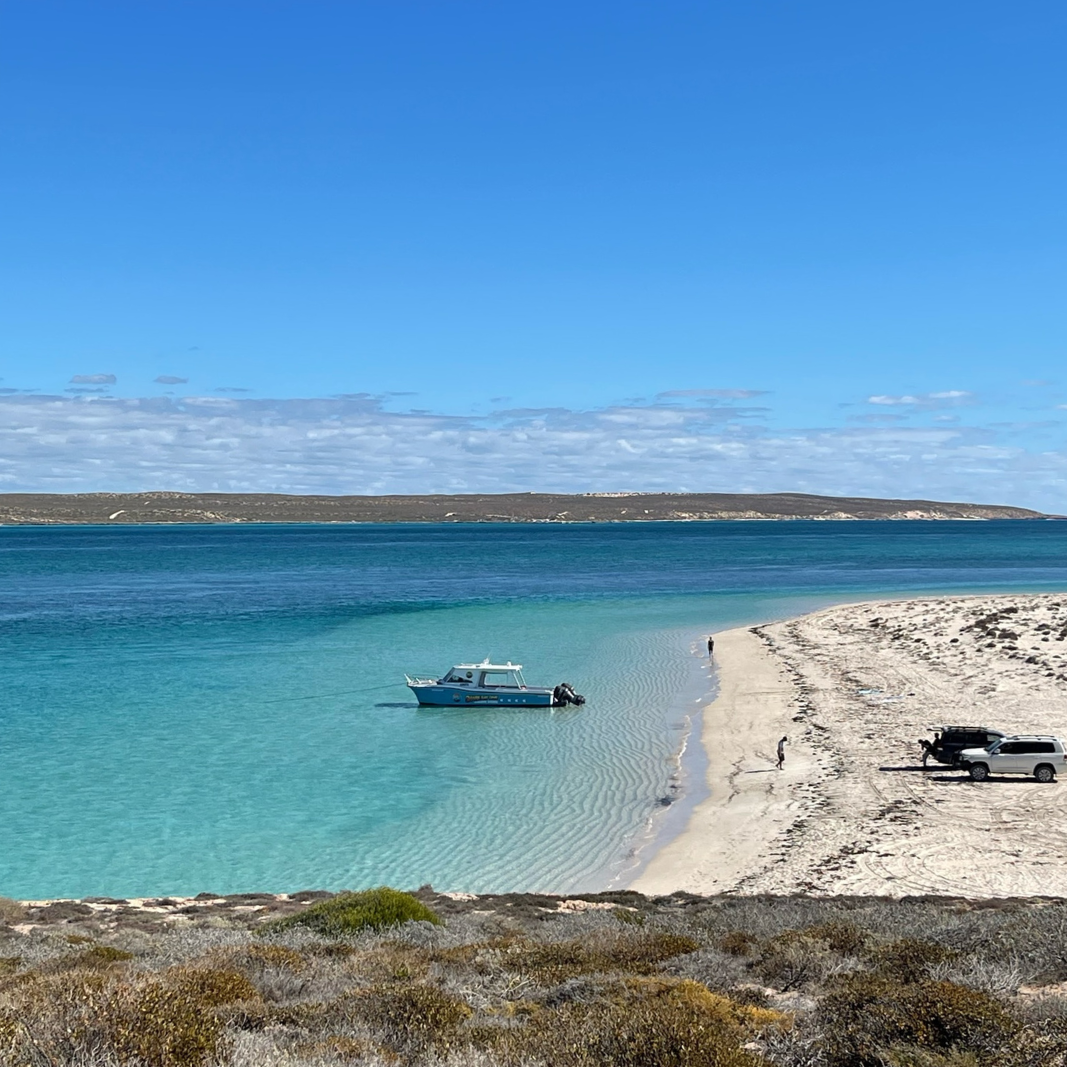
(854, 687)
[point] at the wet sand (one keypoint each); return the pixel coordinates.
(854, 688)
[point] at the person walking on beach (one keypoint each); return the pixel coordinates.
(711, 646)
(781, 752)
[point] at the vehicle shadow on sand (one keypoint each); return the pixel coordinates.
(965, 779)
(946, 777)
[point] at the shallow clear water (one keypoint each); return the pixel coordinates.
(223, 708)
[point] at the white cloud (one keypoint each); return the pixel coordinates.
(711, 394)
(922, 399)
(170, 379)
(354, 445)
(93, 379)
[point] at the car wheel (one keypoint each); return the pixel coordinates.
(1044, 773)
(979, 772)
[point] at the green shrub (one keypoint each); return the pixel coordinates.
(415, 1017)
(738, 943)
(845, 938)
(81, 1017)
(100, 956)
(348, 913)
(792, 960)
(256, 958)
(665, 1024)
(161, 1025)
(211, 987)
(866, 1016)
(909, 959)
(554, 962)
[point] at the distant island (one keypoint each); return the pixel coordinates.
(78, 508)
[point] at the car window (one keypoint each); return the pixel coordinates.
(1033, 747)
(1009, 747)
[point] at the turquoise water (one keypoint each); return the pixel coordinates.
(222, 708)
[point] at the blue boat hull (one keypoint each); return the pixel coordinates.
(446, 696)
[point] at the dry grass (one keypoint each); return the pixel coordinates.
(11, 911)
(512, 982)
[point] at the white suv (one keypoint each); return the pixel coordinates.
(1036, 754)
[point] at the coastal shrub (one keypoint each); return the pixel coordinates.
(391, 962)
(210, 987)
(738, 943)
(82, 1017)
(163, 1025)
(793, 960)
(98, 957)
(908, 959)
(865, 1015)
(348, 913)
(416, 1017)
(917, 1057)
(11, 911)
(656, 1025)
(337, 1048)
(551, 963)
(844, 938)
(257, 957)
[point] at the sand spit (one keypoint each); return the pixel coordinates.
(853, 812)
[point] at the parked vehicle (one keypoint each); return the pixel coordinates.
(950, 741)
(1036, 754)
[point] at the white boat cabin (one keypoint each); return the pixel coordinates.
(486, 676)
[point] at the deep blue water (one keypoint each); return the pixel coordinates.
(221, 708)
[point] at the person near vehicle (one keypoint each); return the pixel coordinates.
(781, 752)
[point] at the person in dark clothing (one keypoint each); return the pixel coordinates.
(711, 647)
(781, 752)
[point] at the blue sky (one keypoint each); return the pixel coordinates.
(413, 247)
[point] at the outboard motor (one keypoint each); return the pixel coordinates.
(564, 694)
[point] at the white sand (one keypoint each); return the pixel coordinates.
(853, 811)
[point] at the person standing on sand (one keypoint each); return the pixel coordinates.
(711, 646)
(781, 752)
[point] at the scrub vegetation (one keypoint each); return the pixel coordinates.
(427, 980)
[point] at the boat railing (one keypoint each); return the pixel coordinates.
(418, 679)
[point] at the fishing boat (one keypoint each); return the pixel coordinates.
(493, 684)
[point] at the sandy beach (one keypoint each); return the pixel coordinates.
(854, 687)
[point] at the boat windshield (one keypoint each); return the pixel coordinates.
(501, 678)
(456, 675)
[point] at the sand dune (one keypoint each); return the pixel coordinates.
(854, 687)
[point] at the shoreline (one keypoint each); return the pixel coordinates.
(687, 784)
(729, 826)
(853, 812)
